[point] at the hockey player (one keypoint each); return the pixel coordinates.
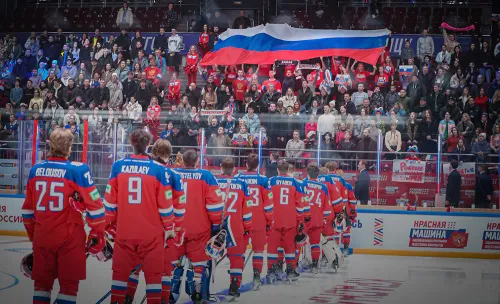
(261, 206)
(54, 221)
(321, 209)
(139, 199)
(162, 149)
(350, 215)
(288, 220)
(237, 222)
(204, 205)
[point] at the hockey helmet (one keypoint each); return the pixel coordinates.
(216, 245)
(27, 265)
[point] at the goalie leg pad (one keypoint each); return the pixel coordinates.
(205, 280)
(189, 285)
(328, 249)
(176, 282)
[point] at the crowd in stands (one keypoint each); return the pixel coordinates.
(63, 80)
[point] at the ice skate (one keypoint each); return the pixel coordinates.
(346, 250)
(291, 274)
(279, 271)
(128, 300)
(233, 290)
(196, 298)
(324, 262)
(335, 263)
(271, 275)
(314, 266)
(256, 279)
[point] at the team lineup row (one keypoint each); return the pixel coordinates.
(159, 218)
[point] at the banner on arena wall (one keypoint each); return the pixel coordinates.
(426, 231)
(9, 175)
(408, 171)
(213, 112)
(11, 218)
(467, 172)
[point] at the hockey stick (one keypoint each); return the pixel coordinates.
(226, 196)
(109, 292)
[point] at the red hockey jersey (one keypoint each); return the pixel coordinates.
(139, 198)
(275, 82)
(239, 88)
(204, 201)
(288, 198)
(174, 87)
(46, 212)
(319, 201)
(238, 215)
(335, 191)
(261, 199)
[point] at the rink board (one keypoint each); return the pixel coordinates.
(468, 234)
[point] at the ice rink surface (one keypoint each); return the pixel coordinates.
(362, 279)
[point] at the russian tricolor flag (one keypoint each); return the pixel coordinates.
(266, 44)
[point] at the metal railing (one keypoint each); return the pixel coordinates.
(18, 154)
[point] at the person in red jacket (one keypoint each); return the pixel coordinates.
(153, 117)
(289, 208)
(191, 67)
(139, 194)
(272, 80)
(261, 203)
(238, 220)
(152, 70)
(53, 220)
(482, 100)
(240, 85)
(174, 89)
(203, 41)
(321, 210)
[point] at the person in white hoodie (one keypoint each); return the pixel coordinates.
(125, 16)
(326, 121)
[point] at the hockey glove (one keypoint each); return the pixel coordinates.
(178, 240)
(111, 231)
(76, 203)
(247, 235)
(269, 229)
(95, 242)
(307, 222)
(215, 230)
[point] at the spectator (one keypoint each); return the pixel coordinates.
(54, 112)
(272, 165)
(289, 98)
(362, 187)
(134, 110)
(125, 17)
(407, 52)
(446, 126)
(460, 152)
(71, 68)
(358, 97)
(486, 60)
(295, 148)
(452, 109)
(450, 41)
(241, 22)
(174, 47)
(484, 188)
(484, 124)
(443, 57)
(252, 121)
(452, 140)
(210, 98)
(326, 121)
(393, 142)
(481, 148)
(482, 100)
(36, 100)
(305, 95)
(367, 145)
(219, 146)
(71, 113)
(415, 91)
(28, 92)
(271, 96)
(16, 94)
(466, 128)
(360, 74)
(311, 125)
(425, 46)
(495, 139)
(403, 102)
(390, 99)
(494, 107)
(171, 16)
(94, 119)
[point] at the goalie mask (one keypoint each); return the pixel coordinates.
(106, 253)
(27, 265)
(216, 245)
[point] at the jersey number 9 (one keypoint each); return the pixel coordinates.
(135, 190)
